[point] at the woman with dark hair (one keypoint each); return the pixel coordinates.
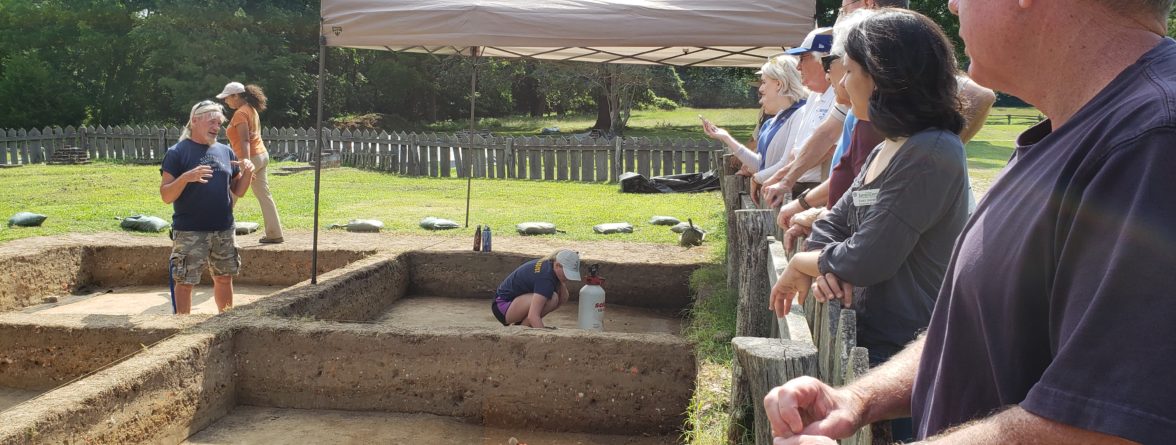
(884, 247)
(245, 137)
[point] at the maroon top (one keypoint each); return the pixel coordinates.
(863, 141)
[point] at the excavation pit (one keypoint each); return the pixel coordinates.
(387, 345)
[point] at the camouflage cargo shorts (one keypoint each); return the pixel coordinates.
(194, 251)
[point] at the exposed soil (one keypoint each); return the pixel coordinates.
(147, 300)
(10, 397)
(426, 312)
(253, 425)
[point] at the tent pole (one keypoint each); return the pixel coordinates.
(318, 158)
(473, 98)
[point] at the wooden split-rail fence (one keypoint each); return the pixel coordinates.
(818, 339)
(556, 158)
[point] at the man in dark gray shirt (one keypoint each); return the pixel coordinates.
(1054, 324)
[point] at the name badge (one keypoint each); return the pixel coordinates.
(862, 198)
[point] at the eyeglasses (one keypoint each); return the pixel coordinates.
(827, 61)
(841, 10)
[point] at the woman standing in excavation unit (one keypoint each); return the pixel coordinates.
(245, 137)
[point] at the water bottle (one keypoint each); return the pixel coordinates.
(486, 239)
(478, 238)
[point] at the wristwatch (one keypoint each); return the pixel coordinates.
(800, 200)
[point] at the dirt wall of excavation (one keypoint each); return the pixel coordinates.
(27, 279)
(554, 380)
(161, 395)
(40, 352)
(362, 293)
(476, 275)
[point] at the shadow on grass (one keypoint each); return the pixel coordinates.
(985, 155)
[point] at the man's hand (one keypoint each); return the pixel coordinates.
(755, 193)
(744, 171)
(246, 167)
(804, 440)
(794, 232)
(201, 174)
(774, 195)
(784, 218)
(792, 283)
(807, 407)
(829, 286)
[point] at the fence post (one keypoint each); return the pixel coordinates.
(766, 364)
(731, 185)
(616, 177)
(753, 227)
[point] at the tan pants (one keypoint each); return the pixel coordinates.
(260, 186)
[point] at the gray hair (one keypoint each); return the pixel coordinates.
(201, 108)
(845, 24)
(783, 69)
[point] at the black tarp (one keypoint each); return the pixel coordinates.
(684, 183)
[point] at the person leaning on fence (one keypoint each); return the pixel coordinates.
(782, 95)
(245, 137)
(1046, 327)
(535, 289)
(199, 175)
(884, 248)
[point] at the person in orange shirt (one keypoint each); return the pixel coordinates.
(245, 137)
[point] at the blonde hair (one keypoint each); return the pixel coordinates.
(201, 108)
(783, 69)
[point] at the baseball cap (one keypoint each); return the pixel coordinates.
(231, 88)
(820, 40)
(570, 260)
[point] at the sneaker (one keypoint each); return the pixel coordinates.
(268, 240)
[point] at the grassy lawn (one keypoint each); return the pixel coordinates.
(88, 198)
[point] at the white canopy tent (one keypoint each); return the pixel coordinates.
(741, 33)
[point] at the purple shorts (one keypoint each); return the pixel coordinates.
(499, 308)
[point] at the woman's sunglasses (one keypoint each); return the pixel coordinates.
(827, 61)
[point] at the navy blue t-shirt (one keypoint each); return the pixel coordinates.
(202, 207)
(1061, 292)
(535, 276)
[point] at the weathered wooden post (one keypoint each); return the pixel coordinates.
(768, 363)
(754, 227)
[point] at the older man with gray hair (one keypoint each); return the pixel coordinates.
(199, 175)
(1054, 323)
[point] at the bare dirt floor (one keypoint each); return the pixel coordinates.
(146, 300)
(10, 397)
(254, 425)
(425, 312)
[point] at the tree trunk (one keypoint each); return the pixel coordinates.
(603, 116)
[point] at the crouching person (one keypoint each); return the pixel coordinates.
(535, 289)
(199, 175)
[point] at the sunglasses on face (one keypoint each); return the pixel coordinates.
(827, 61)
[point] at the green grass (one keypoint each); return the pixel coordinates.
(682, 122)
(88, 198)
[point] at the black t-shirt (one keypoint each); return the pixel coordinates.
(204, 207)
(1061, 295)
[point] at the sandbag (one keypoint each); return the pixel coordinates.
(431, 223)
(26, 219)
(682, 226)
(361, 225)
(535, 228)
(611, 228)
(144, 223)
(664, 220)
(245, 228)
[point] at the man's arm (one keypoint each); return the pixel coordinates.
(1015, 425)
(171, 187)
(977, 102)
(810, 154)
(884, 393)
(243, 179)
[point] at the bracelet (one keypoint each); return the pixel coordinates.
(800, 200)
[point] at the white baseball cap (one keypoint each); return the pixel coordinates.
(570, 260)
(230, 89)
